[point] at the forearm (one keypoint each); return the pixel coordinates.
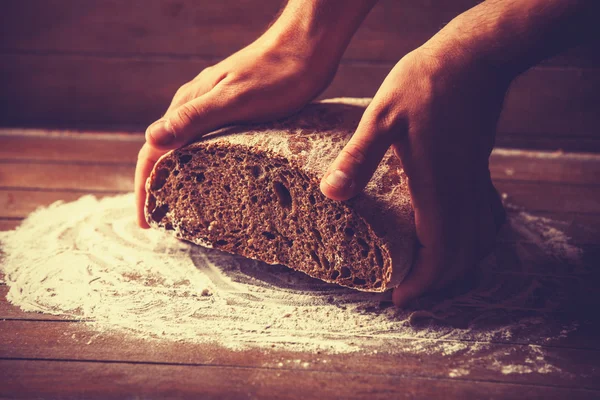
(513, 35)
(319, 29)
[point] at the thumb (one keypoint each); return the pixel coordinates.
(190, 121)
(358, 160)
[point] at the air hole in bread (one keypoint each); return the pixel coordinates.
(268, 235)
(317, 235)
(315, 258)
(160, 178)
(184, 159)
(159, 213)
(349, 232)
(283, 194)
(362, 243)
(345, 272)
(359, 281)
(256, 171)
(200, 177)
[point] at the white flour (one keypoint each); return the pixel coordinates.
(88, 260)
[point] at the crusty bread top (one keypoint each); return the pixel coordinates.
(311, 139)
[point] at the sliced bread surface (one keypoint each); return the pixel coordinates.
(254, 190)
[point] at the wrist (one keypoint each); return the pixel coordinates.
(509, 37)
(318, 30)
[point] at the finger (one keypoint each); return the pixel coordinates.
(147, 157)
(192, 120)
(421, 278)
(446, 220)
(497, 207)
(199, 86)
(356, 163)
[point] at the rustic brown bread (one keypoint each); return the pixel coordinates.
(254, 190)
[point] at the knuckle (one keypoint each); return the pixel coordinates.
(182, 89)
(354, 152)
(184, 116)
(181, 94)
(385, 118)
(206, 70)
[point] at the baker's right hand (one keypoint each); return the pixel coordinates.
(270, 79)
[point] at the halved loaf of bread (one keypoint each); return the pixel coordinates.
(254, 190)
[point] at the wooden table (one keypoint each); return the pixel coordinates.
(43, 356)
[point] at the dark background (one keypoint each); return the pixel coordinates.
(115, 64)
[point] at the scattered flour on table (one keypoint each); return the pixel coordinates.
(88, 260)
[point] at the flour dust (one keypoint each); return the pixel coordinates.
(89, 261)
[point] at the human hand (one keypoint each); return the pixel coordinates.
(438, 109)
(267, 80)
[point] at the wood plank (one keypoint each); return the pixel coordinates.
(52, 379)
(218, 29)
(49, 91)
(537, 166)
(74, 341)
(63, 146)
(89, 147)
(20, 203)
(7, 224)
(532, 103)
(78, 177)
(548, 142)
(551, 197)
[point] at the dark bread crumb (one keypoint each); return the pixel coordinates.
(276, 215)
(265, 204)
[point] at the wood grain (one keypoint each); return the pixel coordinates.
(549, 142)
(26, 379)
(7, 224)
(77, 177)
(215, 29)
(72, 147)
(393, 358)
(121, 148)
(74, 90)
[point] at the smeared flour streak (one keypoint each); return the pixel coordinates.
(88, 260)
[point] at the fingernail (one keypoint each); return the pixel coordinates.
(161, 133)
(339, 180)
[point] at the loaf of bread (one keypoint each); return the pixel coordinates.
(254, 190)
